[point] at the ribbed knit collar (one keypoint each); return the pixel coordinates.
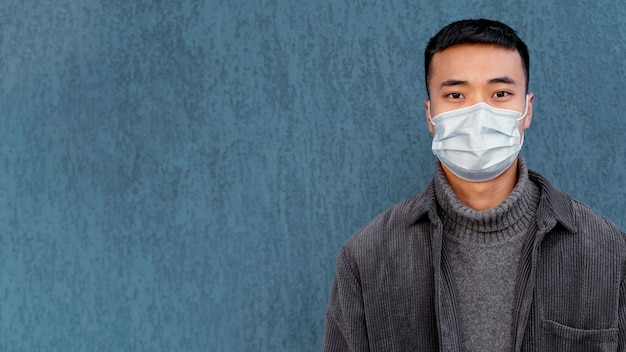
(502, 223)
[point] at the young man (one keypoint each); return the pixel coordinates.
(489, 257)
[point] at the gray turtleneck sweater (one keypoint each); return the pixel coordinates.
(484, 250)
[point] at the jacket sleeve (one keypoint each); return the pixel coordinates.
(345, 327)
(622, 314)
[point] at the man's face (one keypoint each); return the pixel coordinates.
(466, 74)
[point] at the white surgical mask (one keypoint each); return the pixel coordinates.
(477, 143)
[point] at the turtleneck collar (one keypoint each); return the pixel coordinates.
(497, 224)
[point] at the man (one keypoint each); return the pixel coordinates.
(489, 257)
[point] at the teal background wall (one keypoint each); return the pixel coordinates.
(179, 175)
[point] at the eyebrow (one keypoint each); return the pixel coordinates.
(453, 82)
(503, 79)
(458, 82)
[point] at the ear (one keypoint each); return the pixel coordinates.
(529, 113)
(431, 128)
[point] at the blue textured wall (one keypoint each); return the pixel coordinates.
(178, 175)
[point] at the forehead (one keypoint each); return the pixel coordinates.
(476, 62)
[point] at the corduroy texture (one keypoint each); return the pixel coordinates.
(393, 289)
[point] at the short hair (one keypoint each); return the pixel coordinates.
(479, 31)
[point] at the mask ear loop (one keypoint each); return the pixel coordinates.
(430, 115)
(525, 109)
(521, 143)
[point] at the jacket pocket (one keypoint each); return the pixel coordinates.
(559, 337)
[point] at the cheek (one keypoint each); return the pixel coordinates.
(523, 124)
(521, 127)
(431, 128)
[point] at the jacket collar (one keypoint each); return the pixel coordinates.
(424, 204)
(554, 206)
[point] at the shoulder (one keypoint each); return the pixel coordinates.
(577, 218)
(392, 229)
(589, 221)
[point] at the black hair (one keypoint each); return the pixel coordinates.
(480, 31)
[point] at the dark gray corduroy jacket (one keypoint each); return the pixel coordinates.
(392, 290)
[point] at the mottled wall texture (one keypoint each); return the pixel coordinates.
(179, 175)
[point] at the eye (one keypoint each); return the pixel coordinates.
(455, 96)
(501, 94)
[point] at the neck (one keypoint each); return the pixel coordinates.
(483, 195)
